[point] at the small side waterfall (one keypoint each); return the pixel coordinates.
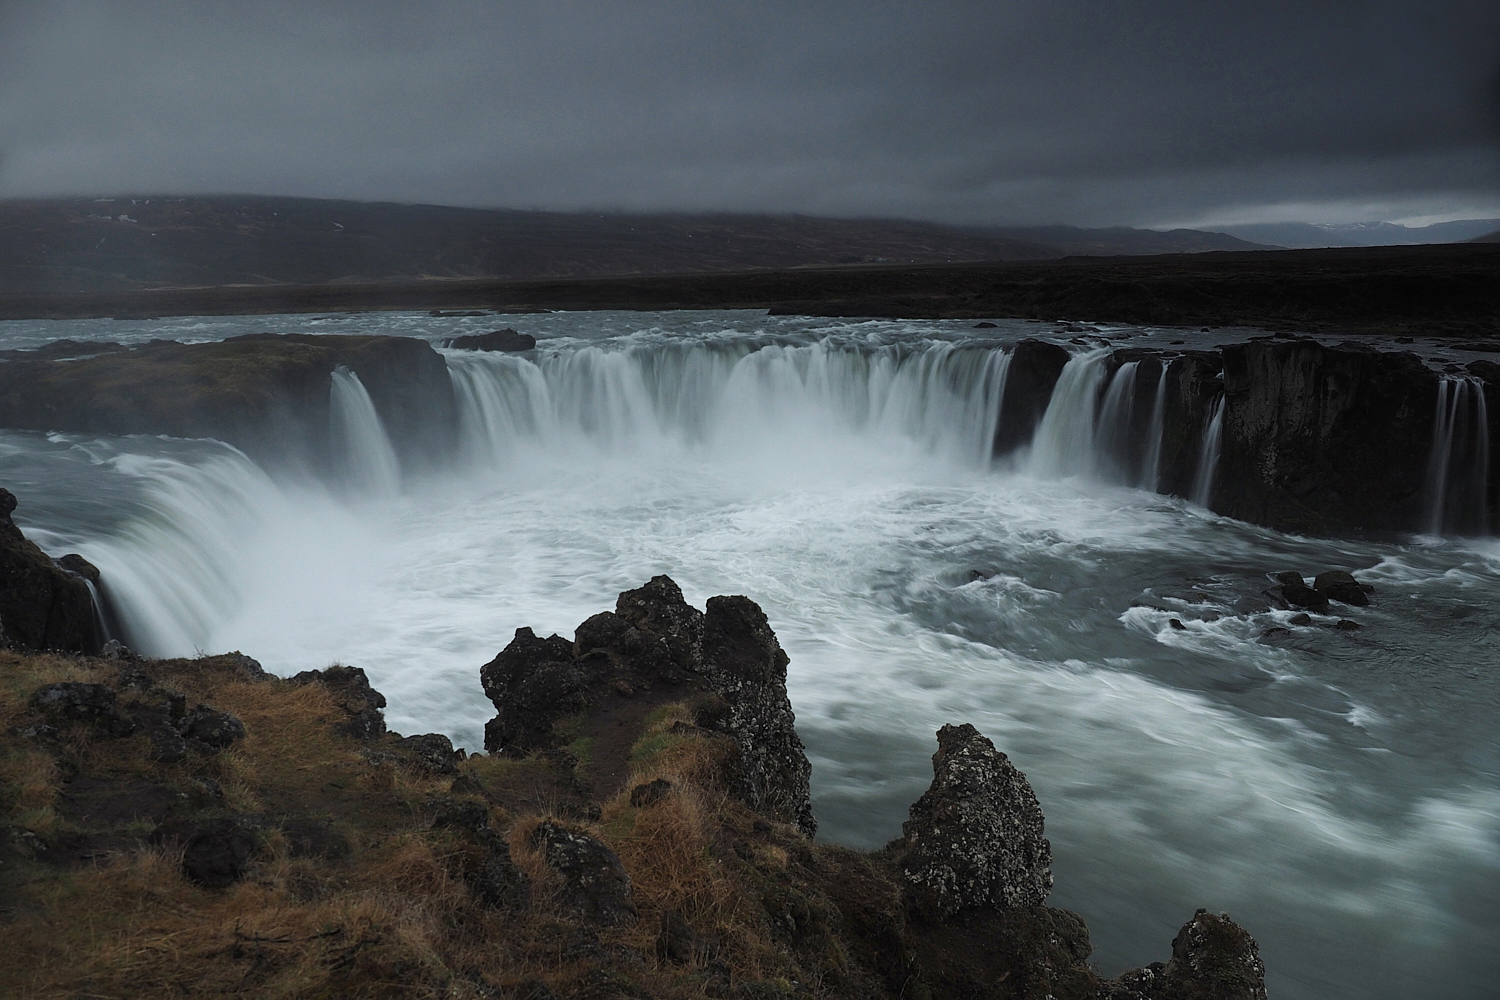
(1208, 455)
(1151, 468)
(1114, 451)
(362, 448)
(1458, 466)
(1064, 441)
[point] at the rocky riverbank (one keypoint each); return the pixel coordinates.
(641, 827)
(266, 394)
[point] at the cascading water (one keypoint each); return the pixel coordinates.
(1458, 470)
(1064, 441)
(1113, 436)
(1208, 455)
(1151, 467)
(1334, 791)
(939, 400)
(361, 446)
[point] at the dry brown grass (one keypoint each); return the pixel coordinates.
(397, 919)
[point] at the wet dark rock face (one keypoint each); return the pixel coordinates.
(1035, 366)
(975, 837)
(1324, 439)
(652, 649)
(44, 605)
(497, 340)
(1314, 438)
(265, 393)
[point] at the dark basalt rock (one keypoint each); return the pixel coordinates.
(975, 837)
(1324, 439)
(593, 882)
(433, 752)
(215, 853)
(43, 605)
(1035, 366)
(499, 883)
(79, 566)
(746, 667)
(533, 683)
(1295, 592)
(210, 727)
(497, 340)
(95, 705)
(1338, 585)
(492, 875)
(648, 793)
(1213, 958)
(360, 702)
(655, 645)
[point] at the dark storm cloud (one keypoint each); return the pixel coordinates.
(1096, 113)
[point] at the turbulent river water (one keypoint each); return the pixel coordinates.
(1334, 791)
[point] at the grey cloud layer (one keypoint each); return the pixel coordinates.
(1030, 111)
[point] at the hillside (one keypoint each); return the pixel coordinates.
(120, 244)
(1306, 236)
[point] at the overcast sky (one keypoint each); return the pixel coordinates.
(1033, 111)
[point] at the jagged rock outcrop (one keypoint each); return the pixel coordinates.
(43, 604)
(362, 705)
(975, 837)
(1035, 367)
(1213, 958)
(652, 649)
(265, 393)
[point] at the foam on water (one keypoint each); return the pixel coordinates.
(1333, 790)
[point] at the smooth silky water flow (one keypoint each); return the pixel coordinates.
(1335, 791)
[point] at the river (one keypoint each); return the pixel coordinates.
(1334, 790)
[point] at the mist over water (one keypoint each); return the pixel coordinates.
(1335, 791)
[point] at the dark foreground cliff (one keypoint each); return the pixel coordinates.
(196, 827)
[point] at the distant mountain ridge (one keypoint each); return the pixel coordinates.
(124, 243)
(1307, 236)
(1122, 240)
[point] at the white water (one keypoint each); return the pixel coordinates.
(370, 466)
(1064, 441)
(1458, 469)
(1208, 455)
(1336, 792)
(1151, 469)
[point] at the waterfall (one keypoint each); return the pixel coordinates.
(1064, 441)
(940, 398)
(1113, 440)
(1208, 455)
(1151, 468)
(362, 448)
(1457, 488)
